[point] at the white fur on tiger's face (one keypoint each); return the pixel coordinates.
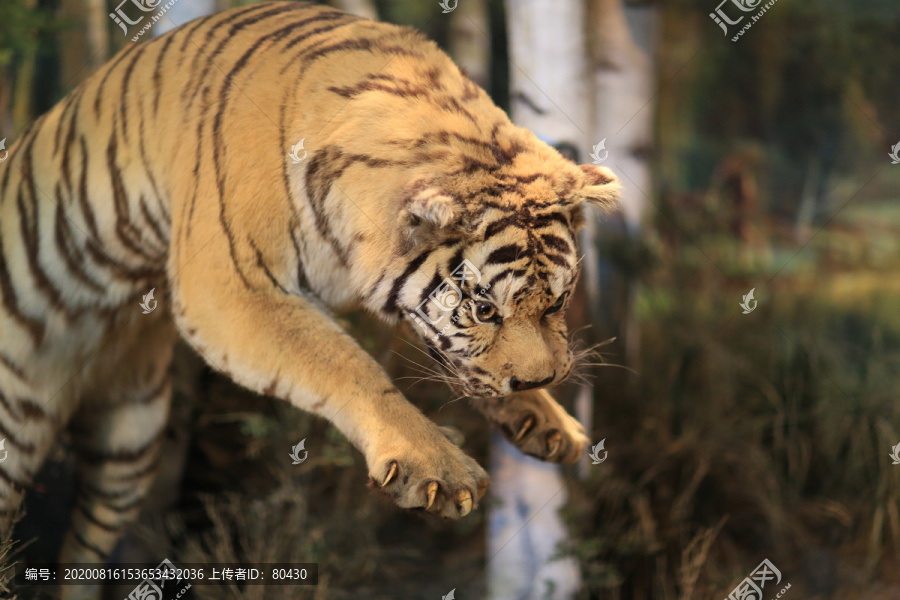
(177, 168)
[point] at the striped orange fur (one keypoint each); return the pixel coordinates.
(170, 169)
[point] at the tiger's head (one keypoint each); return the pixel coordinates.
(493, 264)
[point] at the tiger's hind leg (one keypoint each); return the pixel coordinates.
(536, 424)
(117, 451)
(28, 430)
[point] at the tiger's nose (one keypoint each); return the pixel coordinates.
(521, 386)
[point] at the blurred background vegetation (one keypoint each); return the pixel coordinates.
(731, 437)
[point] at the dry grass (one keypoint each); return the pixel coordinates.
(747, 436)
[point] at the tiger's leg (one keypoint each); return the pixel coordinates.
(29, 430)
(283, 345)
(117, 450)
(536, 424)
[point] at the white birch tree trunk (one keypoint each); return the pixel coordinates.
(621, 41)
(549, 97)
(360, 8)
(181, 12)
(470, 45)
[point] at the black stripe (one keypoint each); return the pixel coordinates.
(436, 280)
(34, 327)
(556, 259)
(262, 265)
(83, 201)
(140, 473)
(390, 304)
(67, 104)
(363, 44)
(498, 226)
(69, 143)
(89, 545)
(192, 88)
(144, 161)
(348, 20)
(96, 457)
(547, 218)
(556, 242)
(19, 444)
(29, 227)
(302, 279)
(505, 273)
(12, 367)
(111, 67)
(507, 254)
(294, 223)
(5, 403)
(214, 27)
(88, 490)
(121, 270)
(154, 225)
(123, 92)
(93, 519)
(318, 181)
(31, 410)
(126, 231)
(157, 72)
(121, 508)
(196, 174)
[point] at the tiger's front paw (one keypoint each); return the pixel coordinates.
(433, 475)
(537, 425)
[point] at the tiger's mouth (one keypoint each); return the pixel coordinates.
(468, 388)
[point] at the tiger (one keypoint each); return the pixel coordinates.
(237, 183)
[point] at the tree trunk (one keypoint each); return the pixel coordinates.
(181, 12)
(470, 45)
(621, 41)
(84, 47)
(23, 87)
(360, 8)
(548, 96)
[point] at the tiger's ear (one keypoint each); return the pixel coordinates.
(429, 214)
(601, 188)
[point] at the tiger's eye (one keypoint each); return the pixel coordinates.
(485, 311)
(557, 305)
